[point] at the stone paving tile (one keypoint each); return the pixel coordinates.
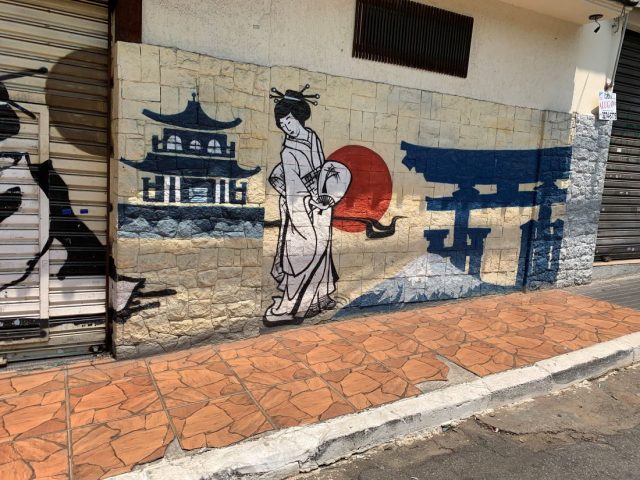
(101, 402)
(529, 346)
(194, 357)
(382, 345)
(326, 357)
(107, 449)
(26, 383)
(266, 344)
(424, 367)
(590, 305)
(307, 336)
(106, 372)
(479, 357)
(301, 402)
(350, 328)
(434, 336)
(295, 376)
(505, 322)
(41, 458)
(570, 336)
(370, 385)
(265, 370)
(32, 415)
(197, 384)
(603, 326)
(218, 423)
(625, 316)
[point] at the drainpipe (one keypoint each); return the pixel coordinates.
(627, 7)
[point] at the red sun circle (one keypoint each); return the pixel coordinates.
(370, 191)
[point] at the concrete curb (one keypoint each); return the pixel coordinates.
(286, 452)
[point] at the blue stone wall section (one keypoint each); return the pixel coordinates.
(584, 196)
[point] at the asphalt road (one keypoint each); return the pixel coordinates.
(588, 432)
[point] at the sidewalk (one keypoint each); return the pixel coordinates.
(99, 419)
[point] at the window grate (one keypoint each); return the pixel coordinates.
(412, 34)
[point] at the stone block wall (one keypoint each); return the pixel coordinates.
(449, 196)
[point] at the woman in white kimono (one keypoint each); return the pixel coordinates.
(303, 265)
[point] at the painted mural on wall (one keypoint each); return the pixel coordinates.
(128, 295)
(369, 195)
(86, 256)
(309, 187)
(454, 270)
(193, 184)
(350, 190)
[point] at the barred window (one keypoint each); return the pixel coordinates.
(412, 34)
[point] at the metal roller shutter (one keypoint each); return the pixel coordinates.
(53, 201)
(619, 227)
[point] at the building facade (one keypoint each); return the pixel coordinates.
(254, 172)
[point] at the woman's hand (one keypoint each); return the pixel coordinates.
(320, 205)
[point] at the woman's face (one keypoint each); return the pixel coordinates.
(290, 125)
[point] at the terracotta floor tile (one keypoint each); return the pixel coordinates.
(516, 298)
(554, 296)
(32, 415)
(570, 336)
(485, 304)
(197, 384)
(102, 402)
(528, 346)
(579, 301)
(193, 357)
(218, 423)
(626, 316)
(591, 305)
(115, 447)
(370, 385)
(505, 322)
(438, 314)
(301, 402)
(401, 317)
(603, 326)
(424, 367)
(41, 458)
(266, 370)
(326, 357)
(27, 383)
(479, 357)
(433, 336)
(551, 313)
(387, 344)
(247, 348)
(349, 328)
(545, 308)
(307, 336)
(108, 372)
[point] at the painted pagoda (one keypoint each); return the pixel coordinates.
(192, 146)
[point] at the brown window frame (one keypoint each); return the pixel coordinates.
(412, 34)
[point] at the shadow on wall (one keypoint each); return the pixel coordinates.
(85, 255)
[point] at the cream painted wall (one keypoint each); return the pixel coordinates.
(518, 57)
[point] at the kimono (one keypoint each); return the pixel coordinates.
(303, 265)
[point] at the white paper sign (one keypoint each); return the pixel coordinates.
(607, 106)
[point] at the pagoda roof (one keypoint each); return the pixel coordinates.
(193, 117)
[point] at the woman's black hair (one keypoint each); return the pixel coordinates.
(294, 103)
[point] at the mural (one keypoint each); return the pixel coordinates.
(455, 271)
(369, 195)
(198, 188)
(309, 187)
(85, 254)
(127, 292)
